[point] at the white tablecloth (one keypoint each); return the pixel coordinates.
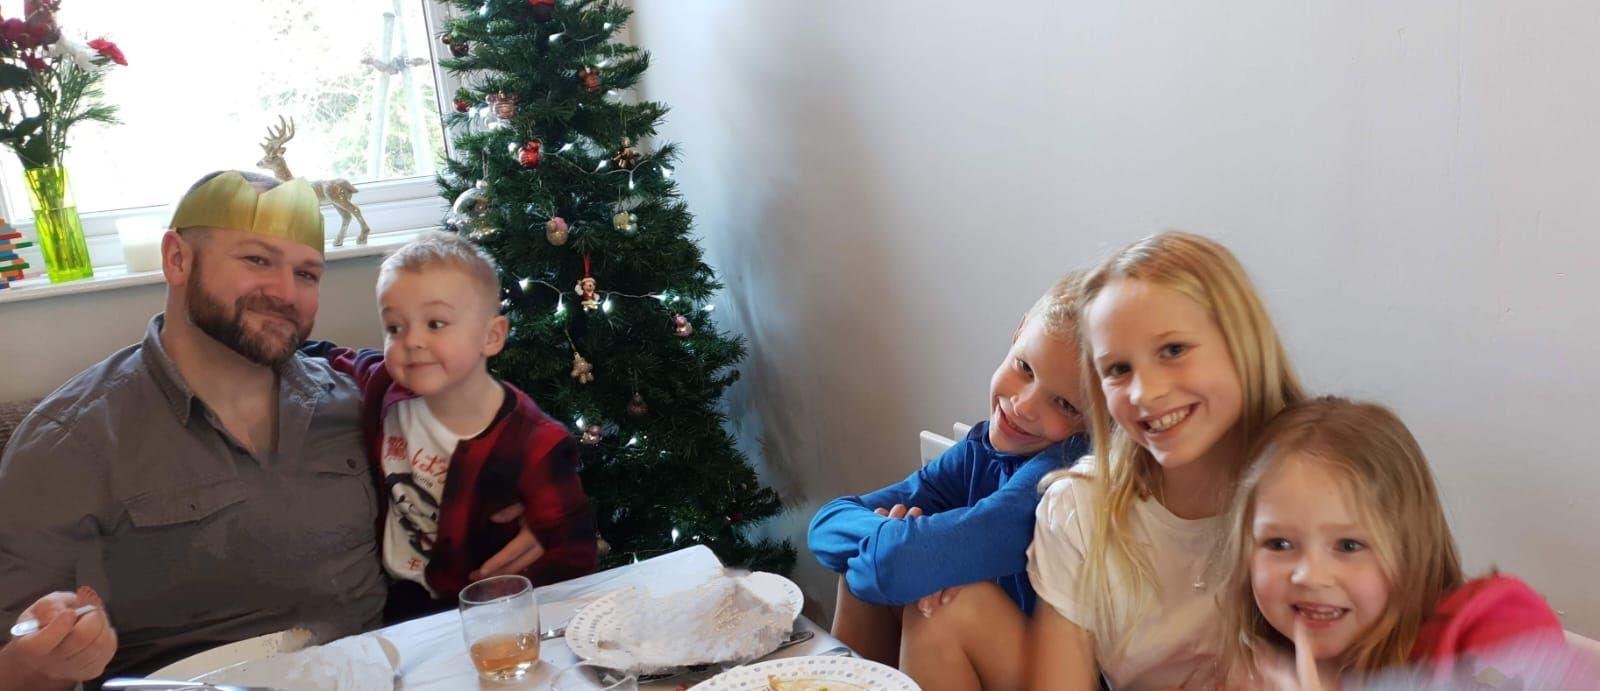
(433, 655)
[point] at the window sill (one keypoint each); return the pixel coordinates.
(116, 276)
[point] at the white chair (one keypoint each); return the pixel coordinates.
(933, 445)
(1589, 647)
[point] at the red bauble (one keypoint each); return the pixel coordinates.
(543, 10)
(590, 78)
(736, 517)
(529, 155)
(462, 105)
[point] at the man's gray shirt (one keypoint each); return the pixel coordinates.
(125, 481)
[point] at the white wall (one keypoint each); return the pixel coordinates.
(886, 186)
(51, 339)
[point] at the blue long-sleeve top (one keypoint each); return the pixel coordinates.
(978, 507)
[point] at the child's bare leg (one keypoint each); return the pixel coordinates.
(873, 631)
(977, 640)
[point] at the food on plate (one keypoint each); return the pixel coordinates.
(810, 684)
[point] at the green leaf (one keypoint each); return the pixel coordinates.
(35, 152)
(13, 77)
(27, 126)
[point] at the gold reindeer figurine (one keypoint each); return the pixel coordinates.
(336, 191)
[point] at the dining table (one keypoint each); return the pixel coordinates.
(433, 653)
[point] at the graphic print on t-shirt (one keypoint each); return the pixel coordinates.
(417, 510)
(416, 459)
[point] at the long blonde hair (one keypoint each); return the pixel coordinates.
(1125, 473)
(1384, 473)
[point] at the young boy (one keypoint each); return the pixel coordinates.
(451, 445)
(963, 520)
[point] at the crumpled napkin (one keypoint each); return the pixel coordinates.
(719, 619)
(354, 663)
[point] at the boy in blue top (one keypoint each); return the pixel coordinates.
(963, 521)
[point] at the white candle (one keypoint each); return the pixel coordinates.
(141, 244)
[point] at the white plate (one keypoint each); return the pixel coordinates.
(834, 672)
(355, 663)
(598, 621)
(233, 654)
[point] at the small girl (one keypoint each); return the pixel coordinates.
(1342, 558)
(1179, 353)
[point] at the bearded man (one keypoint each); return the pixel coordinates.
(207, 482)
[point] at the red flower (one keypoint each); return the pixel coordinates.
(42, 34)
(108, 50)
(35, 64)
(15, 31)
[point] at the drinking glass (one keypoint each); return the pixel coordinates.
(500, 620)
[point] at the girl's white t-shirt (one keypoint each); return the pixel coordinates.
(1173, 642)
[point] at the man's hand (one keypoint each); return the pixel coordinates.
(518, 555)
(68, 648)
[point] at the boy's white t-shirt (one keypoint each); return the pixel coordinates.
(1174, 641)
(416, 458)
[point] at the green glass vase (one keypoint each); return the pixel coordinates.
(55, 217)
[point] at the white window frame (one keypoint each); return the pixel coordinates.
(395, 209)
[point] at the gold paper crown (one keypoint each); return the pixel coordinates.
(289, 211)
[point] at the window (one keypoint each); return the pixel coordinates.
(205, 81)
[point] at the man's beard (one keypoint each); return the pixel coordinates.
(228, 327)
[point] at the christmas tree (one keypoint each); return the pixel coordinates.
(607, 292)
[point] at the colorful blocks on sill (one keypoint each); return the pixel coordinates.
(11, 265)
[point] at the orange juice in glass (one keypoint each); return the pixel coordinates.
(500, 620)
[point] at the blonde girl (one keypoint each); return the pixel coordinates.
(1341, 553)
(1178, 353)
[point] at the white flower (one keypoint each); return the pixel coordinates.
(79, 52)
